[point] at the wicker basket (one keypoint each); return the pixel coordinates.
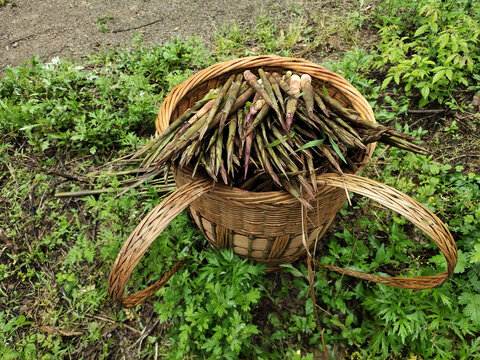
(270, 227)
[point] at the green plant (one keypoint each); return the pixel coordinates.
(60, 118)
(8, 326)
(211, 304)
(296, 8)
(434, 52)
(61, 105)
(435, 184)
(268, 37)
(440, 323)
(101, 24)
(355, 67)
(230, 40)
(453, 130)
(55, 254)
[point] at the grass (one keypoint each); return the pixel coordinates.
(319, 33)
(60, 121)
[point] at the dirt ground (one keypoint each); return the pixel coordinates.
(73, 28)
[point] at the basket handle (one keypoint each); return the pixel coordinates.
(144, 234)
(411, 209)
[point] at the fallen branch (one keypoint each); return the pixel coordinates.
(465, 155)
(65, 175)
(53, 330)
(426, 111)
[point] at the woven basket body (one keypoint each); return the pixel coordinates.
(266, 227)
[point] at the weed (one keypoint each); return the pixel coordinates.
(452, 129)
(211, 305)
(267, 37)
(230, 40)
(61, 105)
(101, 24)
(435, 52)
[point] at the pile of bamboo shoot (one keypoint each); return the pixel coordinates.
(266, 132)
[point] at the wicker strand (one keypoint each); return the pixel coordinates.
(412, 210)
(141, 296)
(144, 234)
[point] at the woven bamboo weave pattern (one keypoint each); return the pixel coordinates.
(266, 227)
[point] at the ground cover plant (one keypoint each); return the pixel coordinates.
(61, 121)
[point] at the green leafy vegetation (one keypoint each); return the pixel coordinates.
(266, 37)
(60, 121)
(210, 306)
(433, 53)
(298, 31)
(101, 24)
(396, 321)
(97, 106)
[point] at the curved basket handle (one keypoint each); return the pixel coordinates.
(144, 234)
(418, 214)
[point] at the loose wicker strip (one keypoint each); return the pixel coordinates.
(419, 215)
(141, 238)
(141, 296)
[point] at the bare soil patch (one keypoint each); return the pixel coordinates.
(72, 29)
